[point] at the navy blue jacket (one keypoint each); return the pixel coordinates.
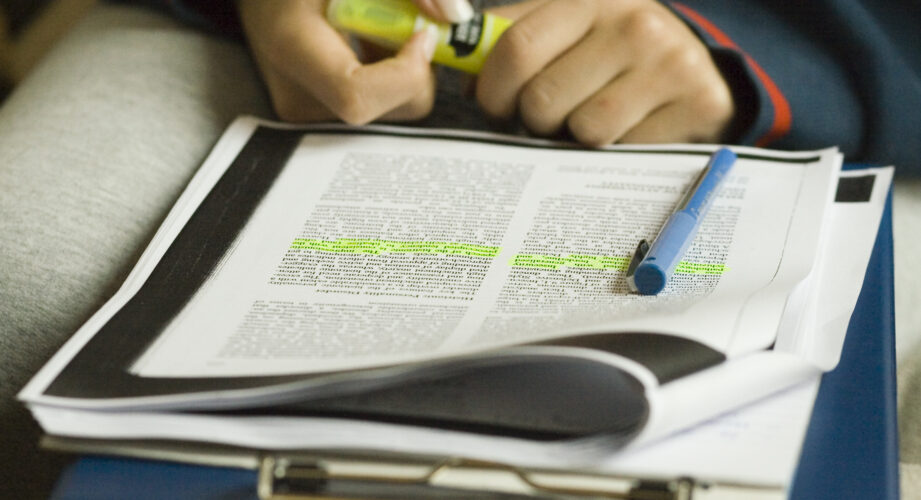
(805, 74)
(815, 73)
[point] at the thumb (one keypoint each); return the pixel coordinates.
(421, 44)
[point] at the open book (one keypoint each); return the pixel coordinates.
(428, 291)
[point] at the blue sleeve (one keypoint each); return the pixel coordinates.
(820, 73)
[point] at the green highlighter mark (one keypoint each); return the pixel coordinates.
(581, 261)
(605, 262)
(378, 247)
(685, 267)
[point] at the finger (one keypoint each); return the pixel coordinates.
(549, 97)
(517, 10)
(699, 118)
(359, 93)
(452, 11)
(618, 107)
(671, 123)
(525, 48)
(291, 102)
(421, 100)
(417, 107)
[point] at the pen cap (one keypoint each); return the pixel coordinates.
(665, 253)
(390, 23)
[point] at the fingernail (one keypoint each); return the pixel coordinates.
(456, 11)
(431, 38)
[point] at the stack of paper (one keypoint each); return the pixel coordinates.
(451, 294)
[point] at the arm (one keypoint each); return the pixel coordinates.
(820, 73)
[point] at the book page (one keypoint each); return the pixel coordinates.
(757, 444)
(373, 250)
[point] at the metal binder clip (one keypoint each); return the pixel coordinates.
(344, 477)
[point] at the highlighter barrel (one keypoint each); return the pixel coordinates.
(390, 23)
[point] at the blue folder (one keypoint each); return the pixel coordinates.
(852, 447)
(850, 450)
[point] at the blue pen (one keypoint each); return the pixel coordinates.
(651, 267)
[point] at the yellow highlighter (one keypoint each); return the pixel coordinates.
(390, 23)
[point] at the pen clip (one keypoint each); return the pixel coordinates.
(638, 255)
(689, 193)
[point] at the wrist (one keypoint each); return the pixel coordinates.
(762, 112)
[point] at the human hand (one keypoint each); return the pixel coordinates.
(313, 74)
(611, 71)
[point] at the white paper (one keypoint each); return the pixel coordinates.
(272, 309)
(758, 444)
(732, 304)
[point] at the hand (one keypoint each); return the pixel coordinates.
(312, 73)
(609, 70)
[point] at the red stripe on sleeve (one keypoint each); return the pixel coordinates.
(783, 118)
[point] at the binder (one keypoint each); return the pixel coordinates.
(336, 477)
(852, 448)
(850, 451)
